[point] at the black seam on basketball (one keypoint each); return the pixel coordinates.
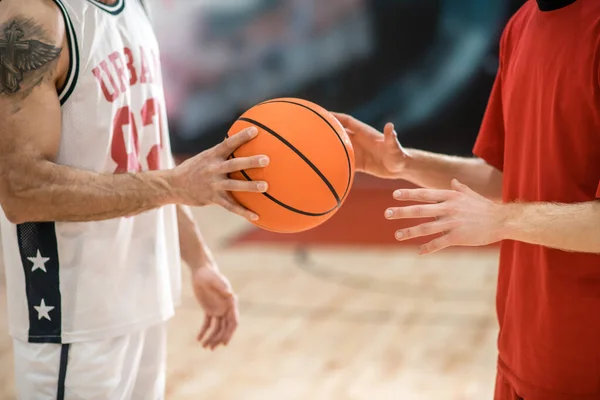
(332, 128)
(298, 152)
(282, 204)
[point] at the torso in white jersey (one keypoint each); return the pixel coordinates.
(70, 282)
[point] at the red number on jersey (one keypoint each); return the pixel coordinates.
(150, 110)
(129, 161)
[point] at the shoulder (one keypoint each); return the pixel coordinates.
(44, 12)
(34, 31)
(515, 26)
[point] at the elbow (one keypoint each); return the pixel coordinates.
(14, 207)
(14, 215)
(21, 196)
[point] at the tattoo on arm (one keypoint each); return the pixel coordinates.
(25, 56)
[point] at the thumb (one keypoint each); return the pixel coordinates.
(390, 137)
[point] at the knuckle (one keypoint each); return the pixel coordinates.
(429, 228)
(233, 164)
(228, 145)
(228, 206)
(443, 208)
(209, 152)
(447, 208)
(211, 168)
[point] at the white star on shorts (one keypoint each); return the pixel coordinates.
(43, 310)
(39, 262)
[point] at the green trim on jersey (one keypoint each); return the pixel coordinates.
(115, 9)
(73, 72)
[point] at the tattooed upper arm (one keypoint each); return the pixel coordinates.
(33, 63)
(20, 57)
(31, 47)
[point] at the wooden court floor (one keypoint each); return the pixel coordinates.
(333, 324)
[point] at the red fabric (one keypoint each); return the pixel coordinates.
(542, 129)
(503, 390)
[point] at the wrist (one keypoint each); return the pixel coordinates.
(407, 165)
(203, 262)
(174, 184)
(198, 257)
(507, 220)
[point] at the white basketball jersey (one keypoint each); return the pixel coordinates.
(69, 282)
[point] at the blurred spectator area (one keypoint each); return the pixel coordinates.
(426, 65)
(225, 56)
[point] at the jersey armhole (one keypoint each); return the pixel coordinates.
(146, 9)
(65, 92)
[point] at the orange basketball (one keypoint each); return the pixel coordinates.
(311, 169)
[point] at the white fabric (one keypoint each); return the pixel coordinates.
(117, 276)
(130, 367)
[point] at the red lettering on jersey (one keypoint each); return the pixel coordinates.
(130, 67)
(110, 97)
(152, 109)
(117, 62)
(126, 161)
(129, 161)
(146, 73)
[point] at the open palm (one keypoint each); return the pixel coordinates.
(377, 154)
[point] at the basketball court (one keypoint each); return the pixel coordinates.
(339, 313)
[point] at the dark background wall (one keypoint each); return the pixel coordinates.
(426, 65)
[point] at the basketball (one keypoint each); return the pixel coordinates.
(312, 164)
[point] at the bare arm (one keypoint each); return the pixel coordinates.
(436, 171)
(383, 156)
(569, 227)
(464, 217)
(34, 188)
(193, 248)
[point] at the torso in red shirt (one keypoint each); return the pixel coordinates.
(542, 129)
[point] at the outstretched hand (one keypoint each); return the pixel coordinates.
(462, 217)
(377, 154)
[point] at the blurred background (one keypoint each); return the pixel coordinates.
(342, 312)
(426, 65)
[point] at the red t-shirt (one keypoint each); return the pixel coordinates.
(542, 129)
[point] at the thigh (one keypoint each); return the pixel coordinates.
(37, 370)
(104, 369)
(504, 391)
(151, 373)
(95, 370)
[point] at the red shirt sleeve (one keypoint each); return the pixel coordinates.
(490, 141)
(598, 192)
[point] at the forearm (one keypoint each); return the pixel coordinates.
(194, 250)
(569, 227)
(436, 171)
(43, 191)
